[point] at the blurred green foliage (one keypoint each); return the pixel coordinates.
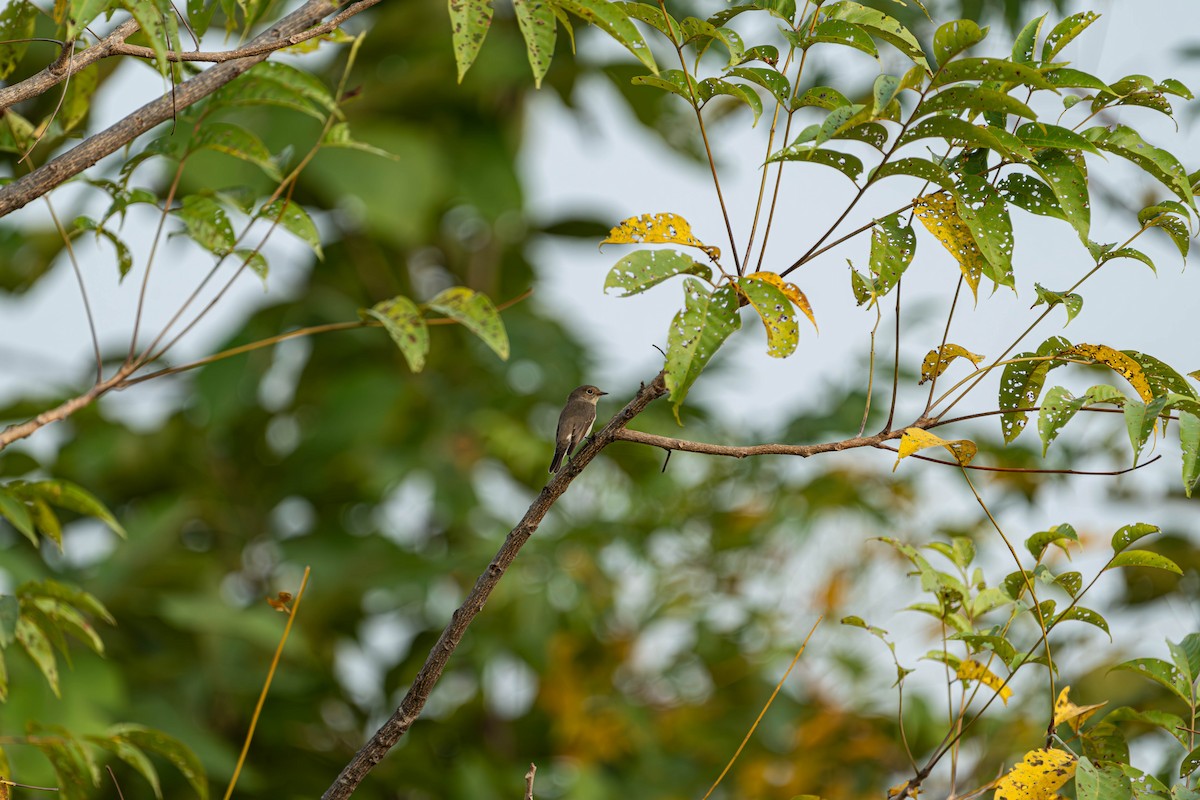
(634, 641)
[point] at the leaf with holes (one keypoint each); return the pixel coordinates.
(658, 229)
(848, 165)
(921, 168)
(1068, 183)
(1021, 385)
(1064, 32)
(1072, 302)
(1143, 558)
(994, 70)
(709, 88)
(774, 82)
(1057, 535)
(17, 21)
(296, 221)
(234, 140)
(1040, 135)
(937, 360)
(892, 249)
(1082, 614)
(880, 26)
(953, 37)
(207, 224)
(939, 214)
(1189, 443)
(174, 751)
(1128, 534)
(776, 312)
(1118, 362)
(983, 210)
(1158, 163)
(637, 272)
(978, 99)
(836, 31)
(971, 670)
(792, 292)
(1164, 674)
(697, 332)
(955, 131)
(1039, 775)
(673, 81)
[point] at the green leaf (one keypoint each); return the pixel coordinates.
(1071, 582)
(1156, 217)
(1087, 615)
(1072, 302)
(124, 254)
(959, 99)
(404, 324)
(338, 135)
(921, 168)
(710, 87)
(278, 84)
(848, 165)
(1189, 443)
(983, 210)
(777, 314)
(1144, 558)
(295, 221)
(17, 20)
(14, 510)
(774, 82)
(637, 272)
(892, 249)
(131, 755)
(1040, 134)
(612, 19)
(1127, 143)
(1140, 420)
(1058, 408)
(1067, 78)
(1190, 763)
(474, 311)
(952, 38)
(1062, 33)
(655, 17)
(1031, 194)
(697, 332)
(10, 612)
(170, 748)
(236, 141)
(673, 81)
(1069, 184)
(881, 26)
(1171, 723)
(1127, 252)
(836, 31)
(1159, 671)
(996, 644)
(469, 23)
(822, 97)
(1100, 782)
(207, 224)
(1026, 40)
(1129, 534)
(883, 92)
(990, 69)
(65, 494)
(73, 596)
(77, 99)
(703, 34)
(69, 621)
(1021, 385)
(31, 637)
(536, 20)
(1038, 542)
(955, 130)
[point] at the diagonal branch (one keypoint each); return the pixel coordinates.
(410, 707)
(22, 191)
(62, 69)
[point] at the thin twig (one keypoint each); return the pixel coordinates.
(529, 776)
(1028, 470)
(87, 305)
(767, 705)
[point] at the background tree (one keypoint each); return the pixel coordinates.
(670, 588)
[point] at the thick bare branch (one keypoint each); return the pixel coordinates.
(61, 69)
(69, 164)
(745, 451)
(410, 707)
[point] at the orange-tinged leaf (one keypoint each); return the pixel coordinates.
(1117, 361)
(935, 364)
(776, 312)
(939, 214)
(1066, 711)
(1038, 776)
(917, 439)
(792, 292)
(658, 229)
(971, 670)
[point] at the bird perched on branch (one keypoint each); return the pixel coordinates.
(575, 422)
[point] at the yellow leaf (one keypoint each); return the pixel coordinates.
(895, 793)
(658, 229)
(917, 439)
(970, 670)
(792, 292)
(1066, 711)
(939, 214)
(934, 364)
(1037, 777)
(1118, 362)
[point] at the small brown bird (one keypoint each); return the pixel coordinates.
(575, 422)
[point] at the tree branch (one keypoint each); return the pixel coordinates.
(410, 707)
(221, 56)
(60, 70)
(744, 451)
(20, 192)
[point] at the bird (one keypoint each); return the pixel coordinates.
(575, 422)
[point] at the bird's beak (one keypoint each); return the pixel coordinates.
(603, 393)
